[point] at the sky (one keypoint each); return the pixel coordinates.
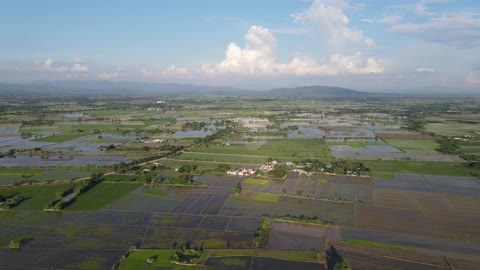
(251, 44)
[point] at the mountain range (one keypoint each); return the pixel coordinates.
(77, 87)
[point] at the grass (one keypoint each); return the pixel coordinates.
(277, 148)
(60, 138)
(155, 192)
(122, 178)
(376, 244)
(297, 148)
(35, 196)
(232, 252)
(253, 181)
(72, 229)
(302, 256)
(322, 181)
(405, 144)
(266, 197)
(418, 167)
(232, 159)
(138, 260)
(21, 171)
(101, 195)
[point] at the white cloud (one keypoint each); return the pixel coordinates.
(290, 30)
(391, 19)
(171, 72)
(329, 17)
(473, 78)
(461, 30)
(424, 70)
(107, 75)
(49, 65)
(79, 68)
(421, 7)
(257, 58)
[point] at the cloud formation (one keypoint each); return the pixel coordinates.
(171, 72)
(79, 68)
(332, 22)
(460, 30)
(50, 66)
(258, 58)
(424, 70)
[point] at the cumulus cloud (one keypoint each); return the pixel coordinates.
(473, 77)
(461, 30)
(424, 70)
(258, 58)
(49, 65)
(171, 72)
(79, 68)
(329, 17)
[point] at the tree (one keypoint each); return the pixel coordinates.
(342, 265)
(237, 188)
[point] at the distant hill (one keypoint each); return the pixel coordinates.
(84, 87)
(317, 91)
(75, 87)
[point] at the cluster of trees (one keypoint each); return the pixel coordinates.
(187, 255)
(339, 167)
(123, 167)
(172, 180)
(74, 190)
(237, 188)
(12, 201)
(187, 168)
(304, 219)
(263, 232)
(194, 125)
(415, 123)
(448, 146)
(221, 133)
(279, 171)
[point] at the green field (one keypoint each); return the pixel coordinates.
(155, 192)
(60, 138)
(419, 167)
(277, 148)
(376, 244)
(253, 181)
(35, 196)
(138, 260)
(451, 128)
(297, 148)
(403, 144)
(221, 158)
(101, 195)
(11, 175)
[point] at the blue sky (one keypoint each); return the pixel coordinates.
(253, 44)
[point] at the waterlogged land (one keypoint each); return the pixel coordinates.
(386, 183)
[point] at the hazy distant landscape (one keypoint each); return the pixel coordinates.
(271, 180)
(240, 134)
